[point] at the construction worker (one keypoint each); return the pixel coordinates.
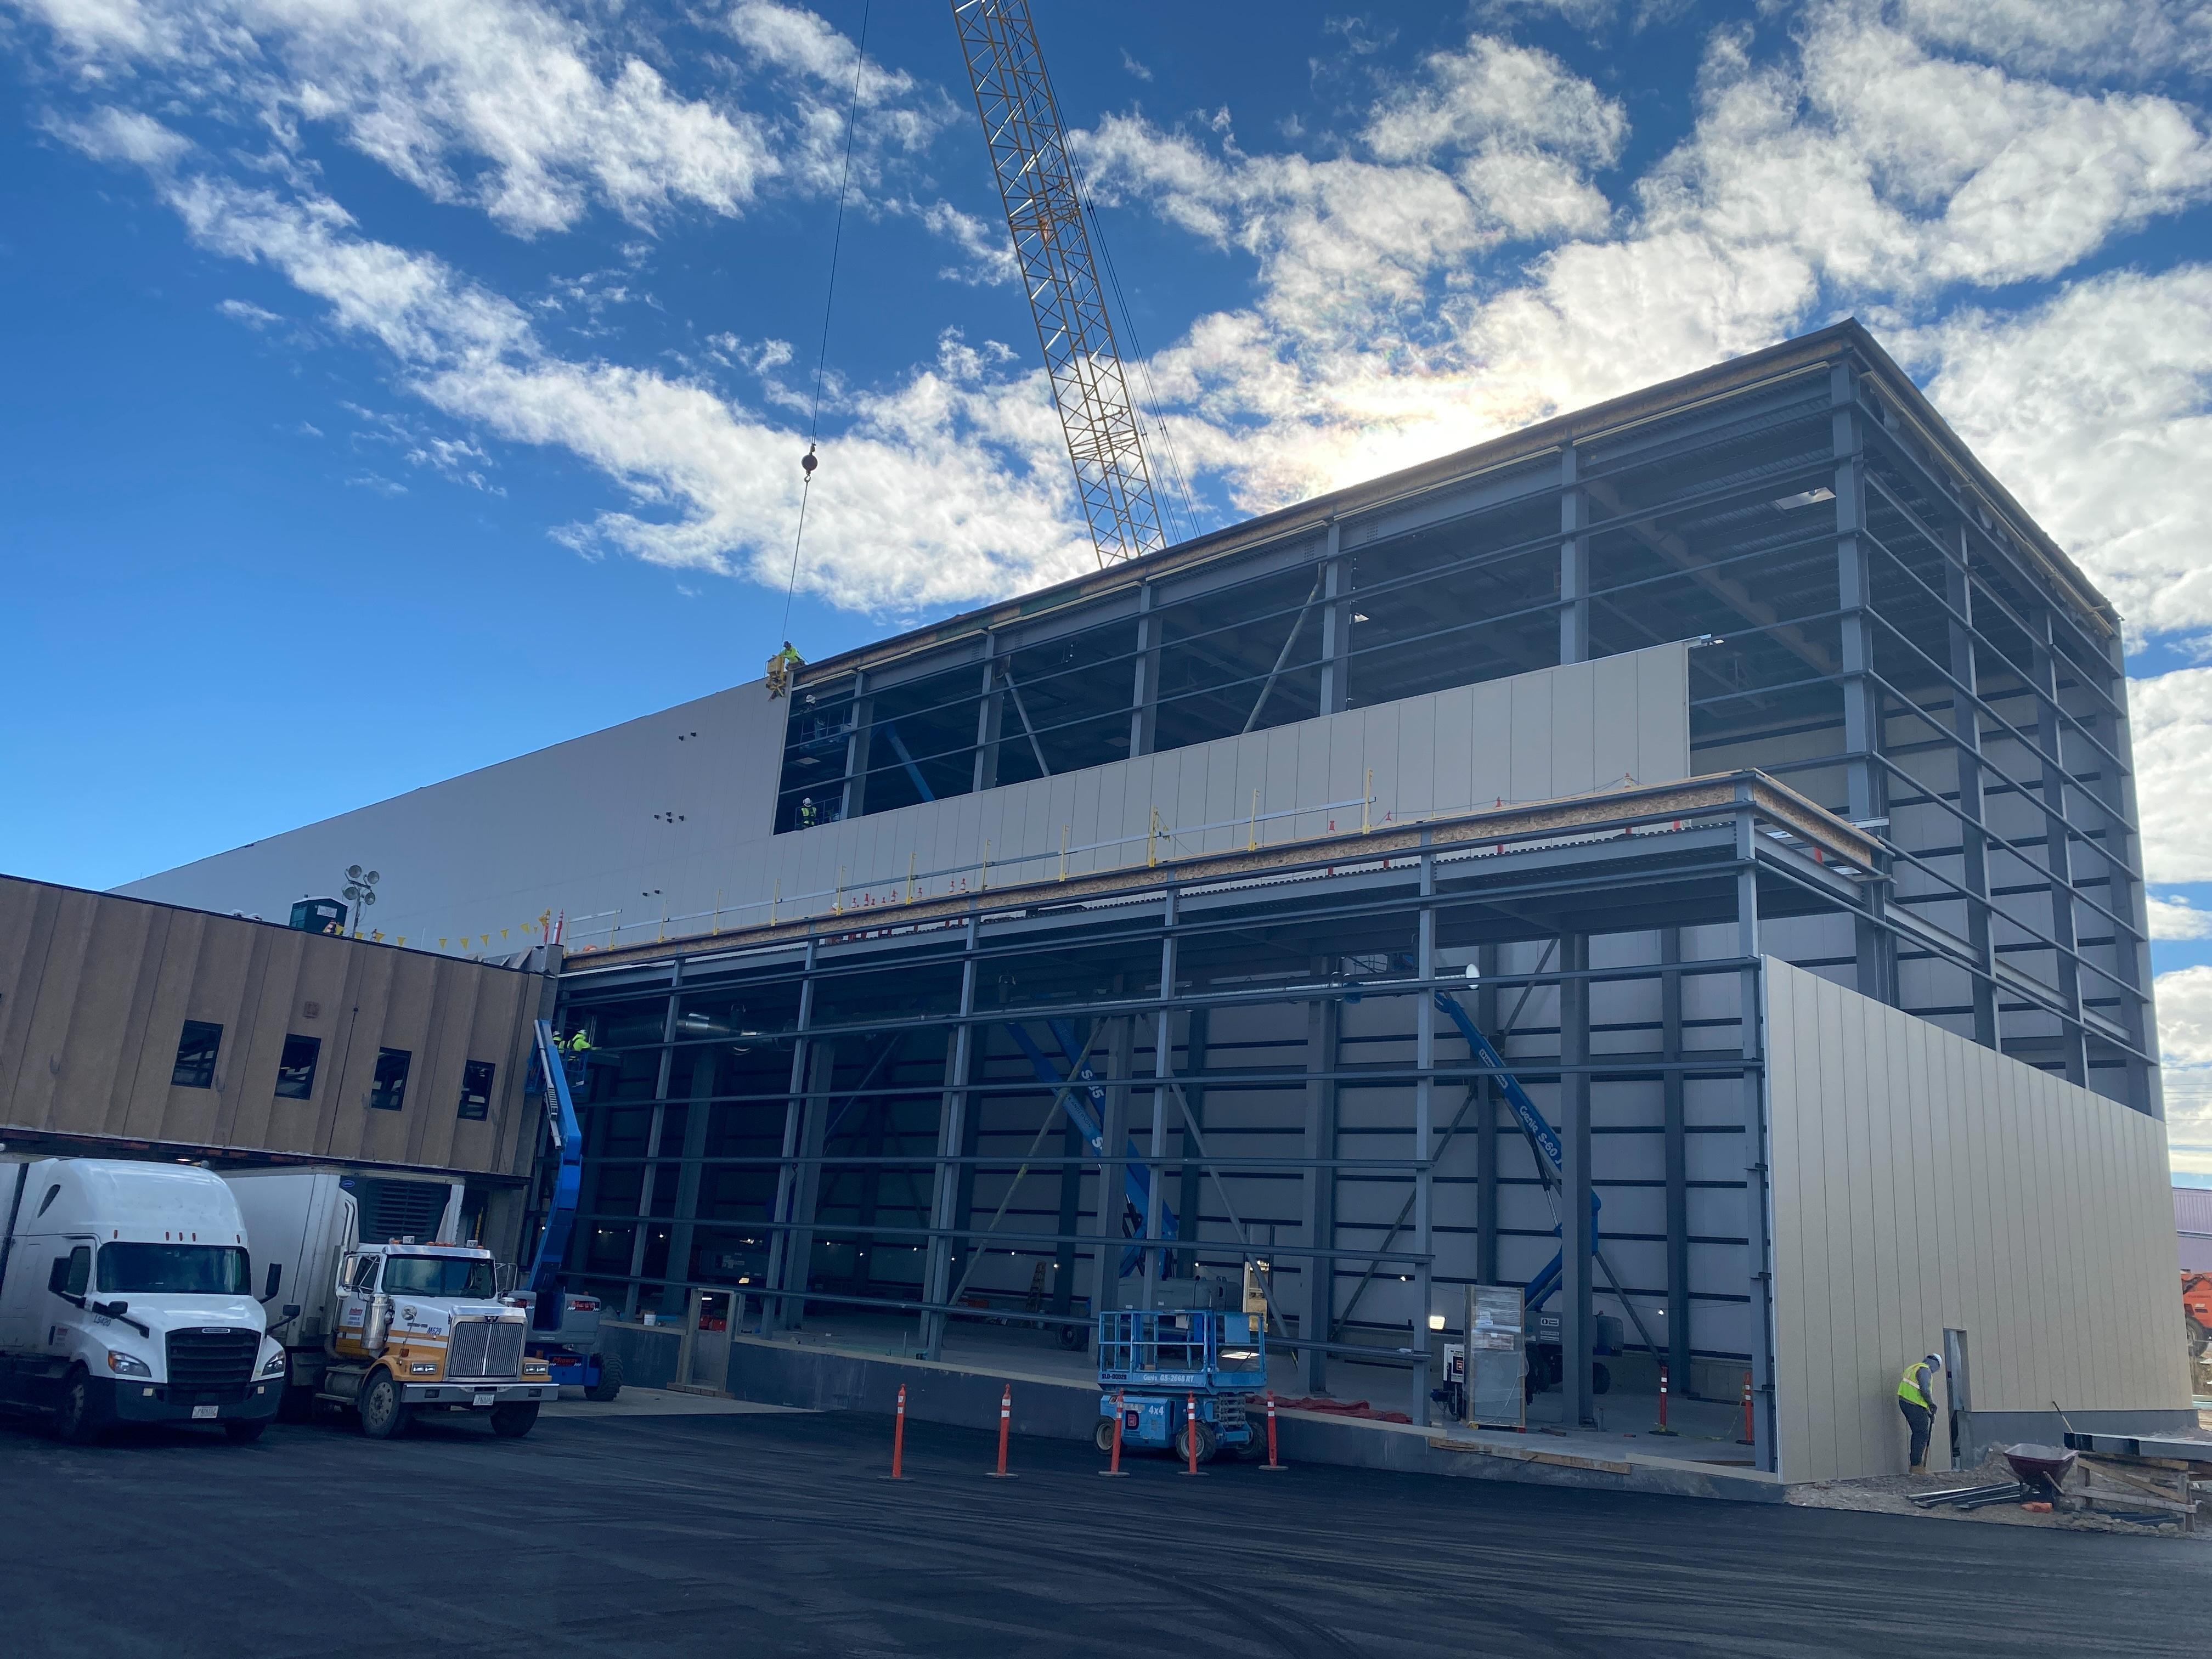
(808, 815)
(780, 668)
(1915, 1398)
(578, 1042)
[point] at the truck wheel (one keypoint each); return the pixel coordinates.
(610, 1379)
(296, 1405)
(383, 1414)
(1601, 1378)
(1104, 1434)
(74, 1422)
(246, 1432)
(513, 1422)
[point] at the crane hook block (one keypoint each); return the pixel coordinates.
(808, 463)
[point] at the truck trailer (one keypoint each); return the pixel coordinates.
(127, 1296)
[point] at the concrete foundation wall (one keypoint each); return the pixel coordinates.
(1922, 1182)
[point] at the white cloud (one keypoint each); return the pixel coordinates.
(1462, 259)
(2120, 38)
(2184, 1025)
(507, 104)
(2097, 407)
(990, 255)
(945, 489)
(1858, 171)
(2171, 720)
(2177, 919)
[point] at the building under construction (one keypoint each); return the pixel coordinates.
(1734, 766)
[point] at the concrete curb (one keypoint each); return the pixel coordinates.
(821, 1379)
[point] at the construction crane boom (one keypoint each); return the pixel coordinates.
(1045, 212)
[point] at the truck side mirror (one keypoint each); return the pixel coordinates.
(503, 1276)
(275, 1278)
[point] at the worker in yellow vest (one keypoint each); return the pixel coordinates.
(779, 667)
(1915, 1398)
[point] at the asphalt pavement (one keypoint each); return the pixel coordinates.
(775, 1534)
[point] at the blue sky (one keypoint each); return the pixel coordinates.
(398, 386)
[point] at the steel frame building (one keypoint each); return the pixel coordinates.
(1908, 731)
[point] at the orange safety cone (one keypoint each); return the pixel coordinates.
(1272, 1463)
(1113, 1468)
(1750, 1434)
(898, 1438)
(1662, 1428)
(1006, 1419)
(1190, 1433)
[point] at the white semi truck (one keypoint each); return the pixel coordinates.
(127, 1296)
(389, 1328)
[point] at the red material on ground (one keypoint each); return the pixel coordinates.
(1342, 1408)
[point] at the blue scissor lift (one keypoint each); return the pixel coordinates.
(1158, 1366)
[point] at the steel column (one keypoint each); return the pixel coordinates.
(1324, 1018)
(1576, 1323)
(1197, 1027)
(1335, 625)
(858, 741)
(1674, 1116)
(952, 1136)
(1486, 1123)
(1163, 1070)
(1424, 1090)
(779, 1250)
(1113, 1198)
(1574, 563)
(1144, 681)
(2058, 855)
(1966, 723)
(990, 714)
(806, 1190)
(1758, 1232)
(1866, 788)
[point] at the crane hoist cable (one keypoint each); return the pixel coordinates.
(807, 462)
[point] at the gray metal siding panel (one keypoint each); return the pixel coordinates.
(1913, 1180)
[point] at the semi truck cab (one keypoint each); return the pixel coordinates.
(425, 1326)
(127, 1296)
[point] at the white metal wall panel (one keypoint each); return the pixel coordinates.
(1921, 1182)
(571, 828)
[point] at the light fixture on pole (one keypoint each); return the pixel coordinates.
(360, 891)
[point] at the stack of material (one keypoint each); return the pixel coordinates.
(2155, 1479)
(2151, 1491)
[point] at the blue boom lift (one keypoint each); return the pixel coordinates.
(564, 1330)
(1547, 1366)
(1085, 1104)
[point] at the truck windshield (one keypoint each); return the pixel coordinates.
(176, 1269)
(438, 1275)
